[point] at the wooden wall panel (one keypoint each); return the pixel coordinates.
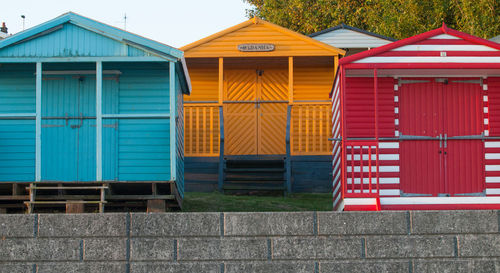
(312, 83)
(204, 81)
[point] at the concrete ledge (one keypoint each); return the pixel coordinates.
(454, 222)
(175, 224)
(17, 225)
(389, 266)
(274, 267)
(104, 249)
(316, 248)
(82, 225)
(17, 267)
(197, 267)
(485, 245)
(222, 249)
(152, 249)
(87, 267)
(432, 246)
(362, 223)
(269, 223)
(39, 250)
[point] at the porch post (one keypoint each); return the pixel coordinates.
(221, 80)
(290, 80)
(98, 121)
(38, 123)
(173, 121)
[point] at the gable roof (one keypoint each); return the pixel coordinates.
(268, 25)
(496, 39)
(344, 26)
(95, 26)
(444, 30)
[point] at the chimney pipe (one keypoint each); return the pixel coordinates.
(3, 28)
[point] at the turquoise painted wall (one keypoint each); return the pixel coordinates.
(71, 41)
(17, 137)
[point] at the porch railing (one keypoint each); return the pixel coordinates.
(361, 177)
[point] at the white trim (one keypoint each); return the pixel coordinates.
(445, 36)
(396, 99)
(492, 191)
(38, 123)
(366, 180)
(485, 87)
(493, 179)
(485, 110)
(388, 145)
(138, 116)
(389, 169)
(374, 157)
(486, 132)
(492, 144)
(485, 121)
(17, 115)
(421, 59)
(389, 192)
(492, 167)
(396, 121)
(396, 110)
(444, 48)
(485, 98)
(396, 133)
(438, 200)
(360, 201)
(98, 121)
(492, 156)
(173, 135)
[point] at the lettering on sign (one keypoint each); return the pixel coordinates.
(256, 47)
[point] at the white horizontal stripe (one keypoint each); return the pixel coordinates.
(485, 98)
(485, 110)
(493, 179)
(396, 87)
(438, 200)
(396, 121)
(391, 169)
(396, 133)
(389, 192)
(492, 167)
(396, 110)
(444, 48)
(382, 180)
(492, 191)
(389, 145)
(491, 156)
(445, 36)
(360, 201)
(492, 144)
(396, 98)
(485, 87)
(429, 60)
(486, 133)
(374, 157)
(485, 121)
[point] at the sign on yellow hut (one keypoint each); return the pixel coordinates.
(260, 94)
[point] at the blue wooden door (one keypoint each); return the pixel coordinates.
(68, 129)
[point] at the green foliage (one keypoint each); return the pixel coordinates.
(394, 18)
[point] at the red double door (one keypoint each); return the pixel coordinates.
(441, 122)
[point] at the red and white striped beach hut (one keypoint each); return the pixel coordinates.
(416, 125)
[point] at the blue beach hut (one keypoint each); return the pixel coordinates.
(84, 103)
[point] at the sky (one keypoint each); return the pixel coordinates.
(175, 23)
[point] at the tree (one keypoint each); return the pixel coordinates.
(394, 18)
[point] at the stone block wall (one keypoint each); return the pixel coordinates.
(315, 242)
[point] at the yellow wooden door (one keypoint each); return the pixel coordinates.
(272, 128)
(255, 104)
(240, 112)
